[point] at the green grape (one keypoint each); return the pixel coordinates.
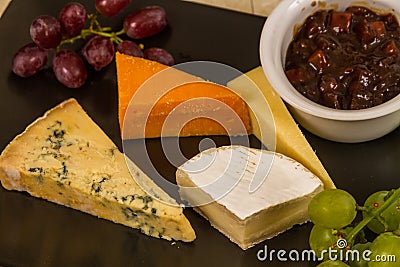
(361, 260)
(321, 239)
(385, 251)
(332, 208)
(331, 263)
(391, 215)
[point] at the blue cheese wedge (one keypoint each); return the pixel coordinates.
(248, 194)
(64, 157)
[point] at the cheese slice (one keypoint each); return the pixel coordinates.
(64, 157)
(151, 94)
(217, 181)
(275, 128)
(290, 141)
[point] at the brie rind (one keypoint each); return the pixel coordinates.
(248, 194)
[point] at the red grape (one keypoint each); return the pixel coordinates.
(46, 32)
(145, 22)
(130, 48)
(69, 68)
(72, 19)
(109, 8)
(29, 60)
(52, 33)
(160, 55)
(99, 52)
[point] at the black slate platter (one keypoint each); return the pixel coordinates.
(35, 232)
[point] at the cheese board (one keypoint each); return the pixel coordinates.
(35, 232)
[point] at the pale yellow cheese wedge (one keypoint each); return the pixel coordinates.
(290, 141)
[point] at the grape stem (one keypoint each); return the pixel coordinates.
(94, 29)
(395, 194)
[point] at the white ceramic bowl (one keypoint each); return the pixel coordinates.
(348, 126)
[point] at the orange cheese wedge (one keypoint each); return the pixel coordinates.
(174, 103)
(134, 78)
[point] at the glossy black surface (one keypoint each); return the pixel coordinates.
(35, 232)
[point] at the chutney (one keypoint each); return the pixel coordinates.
(346, 60)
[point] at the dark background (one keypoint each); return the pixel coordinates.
(35, 232)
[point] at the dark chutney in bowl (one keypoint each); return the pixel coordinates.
(346, 60)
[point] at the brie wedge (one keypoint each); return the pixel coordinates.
(248, 194)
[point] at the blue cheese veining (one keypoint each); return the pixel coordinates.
(66, 158)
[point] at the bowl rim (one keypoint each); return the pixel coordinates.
(271, 62)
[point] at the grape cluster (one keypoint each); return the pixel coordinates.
(335, 229)
(50, 35)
